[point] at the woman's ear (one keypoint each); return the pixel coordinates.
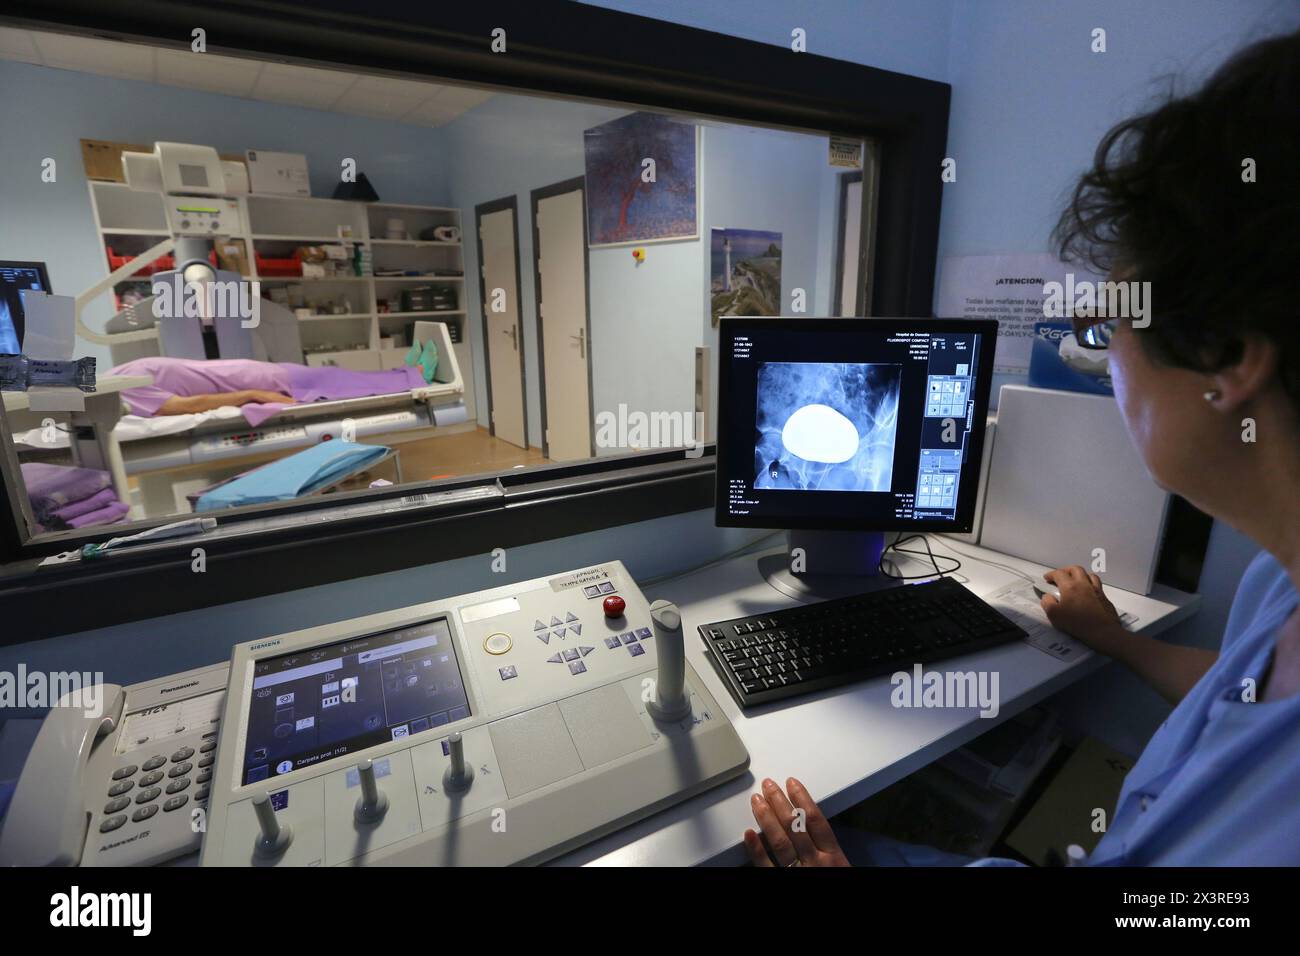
(1249, 376)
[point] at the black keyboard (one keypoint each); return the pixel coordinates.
(815, 646)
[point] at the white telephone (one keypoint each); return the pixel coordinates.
(120, 788)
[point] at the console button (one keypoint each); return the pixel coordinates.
(497, 643)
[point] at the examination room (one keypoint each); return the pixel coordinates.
(652, 435)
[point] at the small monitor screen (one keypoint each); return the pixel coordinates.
(329, 701)
(852, 424)
(192, 175)
(15, 277)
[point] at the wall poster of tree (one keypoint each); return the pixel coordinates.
(630, 200)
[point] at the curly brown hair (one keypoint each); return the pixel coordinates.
(1168, 201)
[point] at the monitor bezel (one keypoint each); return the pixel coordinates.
(20, 319)
(967, 496)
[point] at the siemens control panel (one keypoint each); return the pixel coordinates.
(503, 726)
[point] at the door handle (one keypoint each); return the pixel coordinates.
(581, 339)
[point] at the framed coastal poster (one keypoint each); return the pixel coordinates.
(744, 272)
(642, 174)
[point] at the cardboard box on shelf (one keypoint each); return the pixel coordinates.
(102, 159)
(232, 255)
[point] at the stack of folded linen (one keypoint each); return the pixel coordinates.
(64, 496)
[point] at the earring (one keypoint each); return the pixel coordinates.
(1212, 395)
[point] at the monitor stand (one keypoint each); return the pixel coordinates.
(827, 564)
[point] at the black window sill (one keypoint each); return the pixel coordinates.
(347, 538)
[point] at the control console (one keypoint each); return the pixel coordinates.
(504, 726)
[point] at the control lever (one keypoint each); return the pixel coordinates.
(671, 701)
(275, 839)
(458, 777)
(373, 802)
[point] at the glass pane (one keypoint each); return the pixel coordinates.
(299, 282)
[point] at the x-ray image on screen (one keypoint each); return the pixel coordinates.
(826, 426)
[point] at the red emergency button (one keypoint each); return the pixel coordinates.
(614, 606)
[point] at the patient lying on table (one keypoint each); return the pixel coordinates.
(185, 386)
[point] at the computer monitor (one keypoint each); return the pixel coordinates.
(842, 430)
(14, 278)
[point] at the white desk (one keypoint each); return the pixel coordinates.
(848, 743)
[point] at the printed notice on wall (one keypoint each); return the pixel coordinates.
(846, 152)
(1008, 288)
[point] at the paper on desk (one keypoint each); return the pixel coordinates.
(1018, 602)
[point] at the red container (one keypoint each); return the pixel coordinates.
(269, 267)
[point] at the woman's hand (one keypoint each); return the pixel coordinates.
(794, 828)
(1083, 610)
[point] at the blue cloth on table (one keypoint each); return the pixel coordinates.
(298, 474)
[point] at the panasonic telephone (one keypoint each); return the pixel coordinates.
(119, 788)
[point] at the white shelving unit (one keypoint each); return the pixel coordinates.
(271, 227)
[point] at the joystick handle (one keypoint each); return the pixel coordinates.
(274, 839)
(671, 701)
(457, 777)
(373, 802)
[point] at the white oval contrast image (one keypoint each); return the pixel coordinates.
(819, 433)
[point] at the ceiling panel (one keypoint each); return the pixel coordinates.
(381, 97)
(18, 45)
(204, 71)
(126, 60)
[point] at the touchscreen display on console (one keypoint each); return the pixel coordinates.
(329, 701)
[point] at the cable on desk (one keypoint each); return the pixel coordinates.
(934, 559)
(994, 564)
(653, 582)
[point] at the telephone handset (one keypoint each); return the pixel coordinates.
(120, 787)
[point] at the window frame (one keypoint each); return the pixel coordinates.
(567, 50)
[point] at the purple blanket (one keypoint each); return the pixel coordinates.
(84, 507)
(51, 487)
(106, 515)
(188, 377)
(325, 384)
